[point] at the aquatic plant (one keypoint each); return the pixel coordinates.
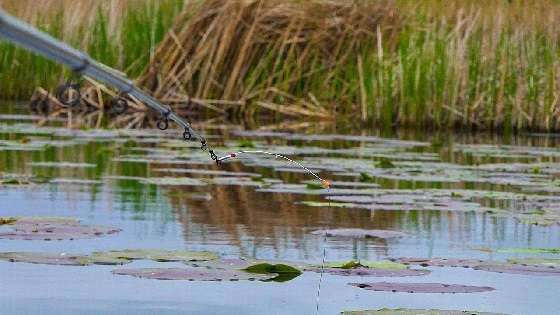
(423, 63)
(122, 35)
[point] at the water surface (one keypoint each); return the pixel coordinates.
(251, 221)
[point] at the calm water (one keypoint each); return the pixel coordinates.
(235, 221)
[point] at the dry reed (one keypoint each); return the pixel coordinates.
(391, 62)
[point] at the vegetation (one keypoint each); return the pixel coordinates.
(119, 33)
(432, 63)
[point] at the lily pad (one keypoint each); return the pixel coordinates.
(370, 272)
(536, 261)
(159, 255)
(519, 269)
(361, 233)
(52, 228)
(407, 311)
(193, 274)
(421, 287)
(370, 264)
(7, 220)
(60, 259)
(284, 272)
(203, 172)
(439, 262)
(173, 181)
(529, 250)
(62, 164)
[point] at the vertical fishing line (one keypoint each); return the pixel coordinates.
(322, 270)
(323, 182)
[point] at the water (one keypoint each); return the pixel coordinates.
(234, 220)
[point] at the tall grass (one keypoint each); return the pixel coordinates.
(430, 63)
(120, 33)
(426, 63)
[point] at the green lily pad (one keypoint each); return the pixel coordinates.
(7, 220)
(284, 272)
(314, 186)
(62, 164)
(60, 259)
(159, 255)
(385, 163)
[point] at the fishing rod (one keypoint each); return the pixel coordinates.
(39, 42)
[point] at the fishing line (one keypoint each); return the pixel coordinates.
(322, 270)
(323, 182)
(276, 155)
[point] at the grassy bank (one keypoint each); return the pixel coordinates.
(119, 33)
(430, 63)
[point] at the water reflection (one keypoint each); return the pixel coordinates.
(241, 221)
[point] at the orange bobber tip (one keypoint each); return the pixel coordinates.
(233, 155)
(325, 183)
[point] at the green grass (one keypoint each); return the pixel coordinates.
(427, 64)
(129, 49)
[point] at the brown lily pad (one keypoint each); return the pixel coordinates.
(420, 287)
(407, 311)
(193, 274)
(52, 228)
(520, 269)
(439, 262)
(361, 233)
(371, 272)
(534, 261)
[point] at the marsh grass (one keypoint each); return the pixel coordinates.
(119, 33)
(428, 64)
(391, 62)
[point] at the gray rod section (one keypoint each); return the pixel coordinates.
(34, 40)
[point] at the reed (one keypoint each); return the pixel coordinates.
(119, 33)
(430, 64)
(481, 64)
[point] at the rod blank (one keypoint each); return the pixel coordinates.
(34, 40)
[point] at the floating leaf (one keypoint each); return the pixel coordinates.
(52, 228)
(60, 259)
(361, 233)
(7, 220)
(385, 163)
(406, 311)
(62, 164)
(519, 269)
(284, 272)
(529, 250)
(537, 261)
(371, 264)
(420, 287)
(440, 262)
(370, 272)
(157, 255)
(314, 186)
(173, 181)
(193, 274)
